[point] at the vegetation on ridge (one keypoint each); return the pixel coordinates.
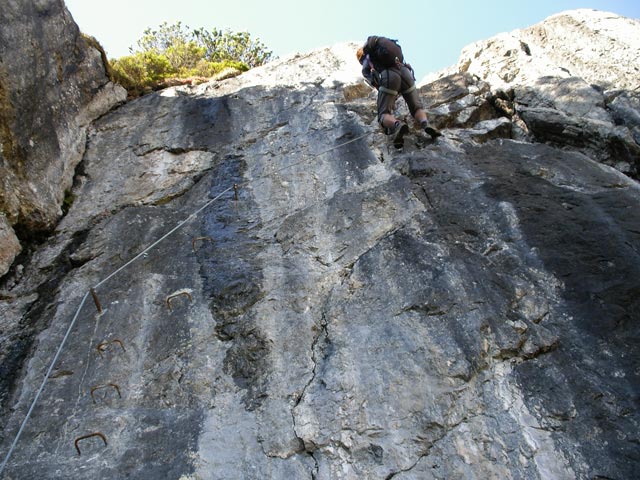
(174, 53)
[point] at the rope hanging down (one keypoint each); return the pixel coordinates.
(142, 253)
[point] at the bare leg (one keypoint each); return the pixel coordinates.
(420, 115)
(388, 120)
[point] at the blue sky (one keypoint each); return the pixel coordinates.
(432, 33)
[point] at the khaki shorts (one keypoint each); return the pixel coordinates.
(393, 82)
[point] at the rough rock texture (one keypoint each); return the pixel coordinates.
(600, 47)
(10, 246)
(572, 80)
(464, 308)
(52, 85)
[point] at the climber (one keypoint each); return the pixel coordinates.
(383, 68)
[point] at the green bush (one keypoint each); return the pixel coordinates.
(175, 52)
(141, 71)
(205, 68)
(232, 46)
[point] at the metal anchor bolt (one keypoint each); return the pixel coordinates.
(193, 242)
(84, 437)
(98, 387)
(101, 347)
(96, 300)
(171, 297)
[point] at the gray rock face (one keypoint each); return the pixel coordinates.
(571, 80)
(600, 47)
(52, 85)
(464, 308)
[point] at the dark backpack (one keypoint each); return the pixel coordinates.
(387, 53)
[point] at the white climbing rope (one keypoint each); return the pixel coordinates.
(46, 377)
(142, 253)
(169, 233)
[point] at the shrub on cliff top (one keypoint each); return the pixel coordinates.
(174, 52)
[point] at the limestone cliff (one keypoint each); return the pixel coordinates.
(574, 79)
(52, 85)
(600, 47)
(282, 294)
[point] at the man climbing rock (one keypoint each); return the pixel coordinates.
(384, 68)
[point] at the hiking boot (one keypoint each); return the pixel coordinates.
(401, 131)
(432, 132)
